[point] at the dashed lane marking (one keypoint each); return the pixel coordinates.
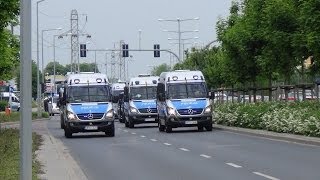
(266, 176)
(234, 165)
(205, 156)
(184, 149)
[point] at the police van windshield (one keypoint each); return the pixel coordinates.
(88, 94)
(183, 91)
(144, 92)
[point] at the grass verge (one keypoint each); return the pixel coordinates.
(10, 154)
(15, 116)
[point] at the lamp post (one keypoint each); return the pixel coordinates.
(183, 43)
(178, 20)
(140, 38)
(38, 67)
(54, 60)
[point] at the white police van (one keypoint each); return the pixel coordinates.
(183, 101)
(116, 90)
(140, 100)
(87, 106)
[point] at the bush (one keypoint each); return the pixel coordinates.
(285, 117)
(3, 105)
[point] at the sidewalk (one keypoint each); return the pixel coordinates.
(56, 161)
(272, 135)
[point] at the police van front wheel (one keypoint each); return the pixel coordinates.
(209, 127)
(161, 127)
(110, 133)
(67, 133)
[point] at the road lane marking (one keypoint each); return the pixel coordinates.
(205, 156)
(234, 165)
(167, 144)
(125, 130)
(184, 149)
(266, 176)
(154, 140)
(142, 136)
(133, 133)
(119, 128)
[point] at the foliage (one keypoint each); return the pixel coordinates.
(60, 69)
(297, 118)
(261, 41)
(9, 49)
(10, 152)
(85, 67)
(34, 79)
(3, 105)
(161, 68)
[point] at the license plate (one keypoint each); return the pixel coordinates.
(150, 119)
(191, 122)
(91, 128)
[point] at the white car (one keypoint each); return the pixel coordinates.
(53, 107)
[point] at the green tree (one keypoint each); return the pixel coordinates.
(9, 49)
(85, 67)
(161, 68)
(60, 69)
(34, 79)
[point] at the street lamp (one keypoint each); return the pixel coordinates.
(140, 39)
(38, 66)
(54, 60)
(183, 43)
(178, 20)
(42, 59)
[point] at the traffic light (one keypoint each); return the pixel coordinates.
(156, 52)
(125, 50)
(83, 50)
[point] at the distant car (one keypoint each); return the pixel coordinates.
(291, 97)
(53, 107)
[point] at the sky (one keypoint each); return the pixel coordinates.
(108, 22)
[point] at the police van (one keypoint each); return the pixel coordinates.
(87, 106)
(183, 101)
(140, 100)
(116, 90)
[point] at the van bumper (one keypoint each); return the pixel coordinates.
(96, 126)
(190, 121)
(144, 118)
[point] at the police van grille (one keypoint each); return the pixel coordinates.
(196, 111)
(145, 110)
(86, 116)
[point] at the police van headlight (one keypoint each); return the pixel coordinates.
(71, 116)
(208, 110)
(133, 110)
(109, 114)
(171, 111)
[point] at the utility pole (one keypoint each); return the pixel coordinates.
(26, 82)
(140, 38)
(122, 65)
(113, 65)
(75, 64)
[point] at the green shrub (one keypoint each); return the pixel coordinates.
(284, 117)
(3, 105)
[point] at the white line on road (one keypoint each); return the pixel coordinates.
(133, 133)
(234, 165)
(266, 176)
(184, 149)
(167, 144)
(143, 136)
(125, 130)
(205, 156)
(119, 128)
(154, 140)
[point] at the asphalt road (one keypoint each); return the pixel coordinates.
(143, 153)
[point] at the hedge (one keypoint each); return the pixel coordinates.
(301, 118)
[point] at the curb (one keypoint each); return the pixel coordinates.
(272, 135)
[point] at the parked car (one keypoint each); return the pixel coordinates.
(52, 106)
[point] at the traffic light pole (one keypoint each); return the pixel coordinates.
(135, 50)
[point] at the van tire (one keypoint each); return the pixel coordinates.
(67, 133)
(209, 127)
(161, 127)
(168, 128)
(131, 124)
